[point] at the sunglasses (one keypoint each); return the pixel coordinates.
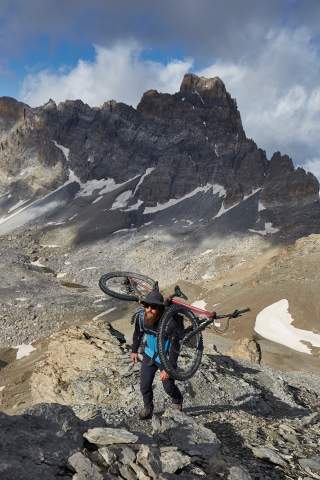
(152, 307)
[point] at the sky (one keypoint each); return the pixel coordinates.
(266, 52)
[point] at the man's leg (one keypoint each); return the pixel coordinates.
(173, 391)
(147, 373)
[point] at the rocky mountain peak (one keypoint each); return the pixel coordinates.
(11, 112)
(190, 141)
(213, 86)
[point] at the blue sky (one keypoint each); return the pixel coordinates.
(267, 53)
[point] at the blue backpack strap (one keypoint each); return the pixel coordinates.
(138, 316)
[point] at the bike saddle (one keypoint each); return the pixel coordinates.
(178, 293)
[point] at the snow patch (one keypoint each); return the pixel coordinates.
(61, 274)
(97, 200)
(24, 350)
(199, 304)
(268, 229)
(197, 93)
(215, 188)
(37, 264)
(223, 210)
(104, 185)
(206, 252)
(64, 150)
(50, 246)
(102, 314)
(274, 323)
(207, 276)
(261, 207)
(55, 223)
(252, 193)
(17, 205)
(136, 206)
(124, 230)
(148, 171)
(122, 200)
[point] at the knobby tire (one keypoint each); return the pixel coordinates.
(174, 371)
(130, 297)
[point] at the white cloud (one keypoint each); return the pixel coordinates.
(313, 165)
(118, 73)
(278, 94)
(276, 87)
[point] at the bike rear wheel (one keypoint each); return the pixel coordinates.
(181, 357)
(127, 286)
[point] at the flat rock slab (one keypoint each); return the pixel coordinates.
(239, 473)
(266, 453)
(312, 463)
(109, 436)
(172, 459)
(86, 470)
(187, 434)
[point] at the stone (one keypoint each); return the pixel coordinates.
(187, 434)
(109, 436)
(148, 457)
(141, 473)
(108, 455)
(313, 463)
(172, 459)
(127, 455)
(266, 453)
(85, 469)
(127, 472)
(247, 349)
(311, 419)
(239, 473)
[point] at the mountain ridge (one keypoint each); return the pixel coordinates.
(187, 140)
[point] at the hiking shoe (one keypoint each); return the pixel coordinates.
(176, 406)
(146, 413)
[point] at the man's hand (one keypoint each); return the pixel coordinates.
(134, 357)
(164, 376)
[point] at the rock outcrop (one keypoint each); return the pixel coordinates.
(240, 420)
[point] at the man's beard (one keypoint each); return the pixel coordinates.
(152, 318)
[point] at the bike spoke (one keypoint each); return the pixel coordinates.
(182, 351)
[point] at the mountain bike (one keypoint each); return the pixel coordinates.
(181, 322)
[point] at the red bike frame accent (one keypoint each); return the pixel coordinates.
(199, 311)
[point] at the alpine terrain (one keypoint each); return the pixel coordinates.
(174, 190)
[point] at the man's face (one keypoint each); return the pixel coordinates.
(152, 313)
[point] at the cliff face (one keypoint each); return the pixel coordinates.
(188, 140)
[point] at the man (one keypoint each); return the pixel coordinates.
(146, 325)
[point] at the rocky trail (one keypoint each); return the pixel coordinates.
(69, 410)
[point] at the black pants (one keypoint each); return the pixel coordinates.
(147, 373)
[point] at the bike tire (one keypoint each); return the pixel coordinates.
(146, 285)
(179, 372)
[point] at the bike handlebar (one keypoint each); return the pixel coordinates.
(236, 313)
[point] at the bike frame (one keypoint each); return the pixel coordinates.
(205, 317)
(197, 310)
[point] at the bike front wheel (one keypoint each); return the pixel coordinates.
(180, 350)
(127, 286)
